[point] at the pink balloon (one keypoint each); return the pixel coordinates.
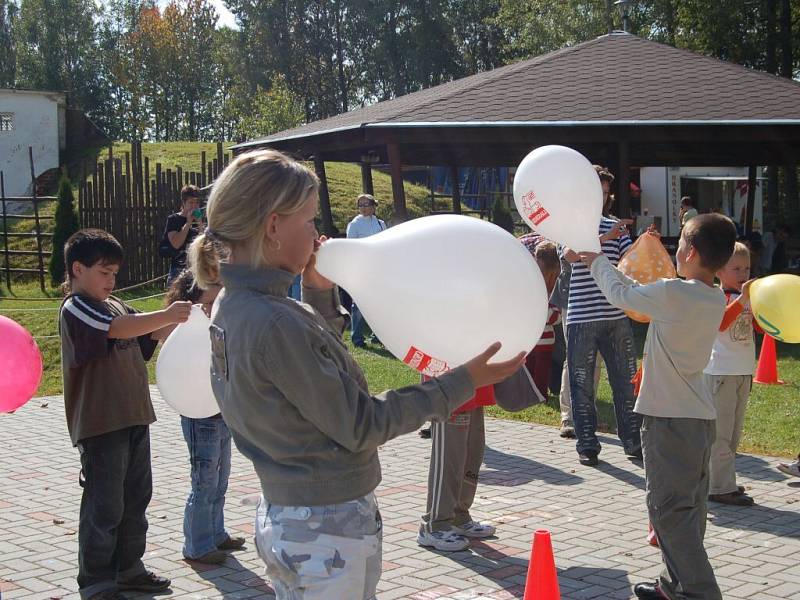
(20, 364)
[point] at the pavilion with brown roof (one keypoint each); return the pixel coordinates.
(619, 99)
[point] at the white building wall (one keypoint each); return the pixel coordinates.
(37, 125)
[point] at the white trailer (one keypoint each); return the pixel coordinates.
(722, 189)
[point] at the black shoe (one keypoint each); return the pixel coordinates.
(636, 455)
(588, 458)
(425, 433)
(649, 591)
(736, 498)
(146, 582)
(360, 344)
(232, 543)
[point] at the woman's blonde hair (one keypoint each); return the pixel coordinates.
(251, 188)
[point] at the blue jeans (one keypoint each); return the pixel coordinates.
(209, 443)
(174, 271)
(358, 322)
(614, 340)
(117, 486)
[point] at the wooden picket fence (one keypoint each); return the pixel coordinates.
(132, 199)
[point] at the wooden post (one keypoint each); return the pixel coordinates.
(398, 191)
(101, 195)
(324, 199)
(624, 181)
(456, 189)
(751, 199)
(218, 164)
(5, 232)
(95, 194)
(203, 181)
(366, 179)
(36, 218)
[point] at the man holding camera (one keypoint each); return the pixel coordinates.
(182, 227)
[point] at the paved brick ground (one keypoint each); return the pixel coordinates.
(530, 480)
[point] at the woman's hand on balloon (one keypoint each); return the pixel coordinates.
(571, 255)
(178, 312)
(482, 373)
(588, 257)
(651, 230)
(311, 277)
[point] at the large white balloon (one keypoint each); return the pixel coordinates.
(439, 290)
(183, 369)
(558, 193)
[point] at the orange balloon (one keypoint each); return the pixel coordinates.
(646, 261)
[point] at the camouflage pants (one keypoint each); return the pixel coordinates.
(321, 552)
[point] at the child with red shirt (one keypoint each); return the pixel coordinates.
(539, 359)
(456, 457)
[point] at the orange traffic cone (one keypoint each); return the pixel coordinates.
(542, 580)
(767, 369)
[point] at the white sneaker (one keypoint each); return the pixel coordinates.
(446, 541)
(790, 468)
(474, 529)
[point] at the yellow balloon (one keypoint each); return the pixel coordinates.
(775, 301)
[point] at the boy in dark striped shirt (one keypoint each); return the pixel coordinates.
(595, 325)
(104, 346)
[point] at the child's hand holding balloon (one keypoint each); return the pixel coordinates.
(744, 298)
(588, 258)
(178, 312)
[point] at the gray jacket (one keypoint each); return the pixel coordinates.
(296, 402)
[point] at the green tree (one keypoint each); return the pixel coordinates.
(269, 111)
(56, 50)
(65, 225)
(8, 59)
(501, 216)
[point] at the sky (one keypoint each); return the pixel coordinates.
(225, 16)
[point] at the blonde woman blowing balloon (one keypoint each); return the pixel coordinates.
(295, 401)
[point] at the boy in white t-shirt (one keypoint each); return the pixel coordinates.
(730, 376)
(678, 425)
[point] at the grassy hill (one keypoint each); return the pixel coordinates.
(344, 179)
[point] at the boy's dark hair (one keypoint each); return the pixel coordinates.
(183, 288)
(713, 236)
(89, 247)
(189, 191)
(546, 253)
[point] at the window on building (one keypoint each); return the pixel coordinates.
(6, 121)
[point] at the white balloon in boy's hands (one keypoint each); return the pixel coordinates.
(183, 368)
(558, 193)
(440, 290)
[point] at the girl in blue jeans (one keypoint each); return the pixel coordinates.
(209, 443)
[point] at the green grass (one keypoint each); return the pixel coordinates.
(771, 426)
(773, 417)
